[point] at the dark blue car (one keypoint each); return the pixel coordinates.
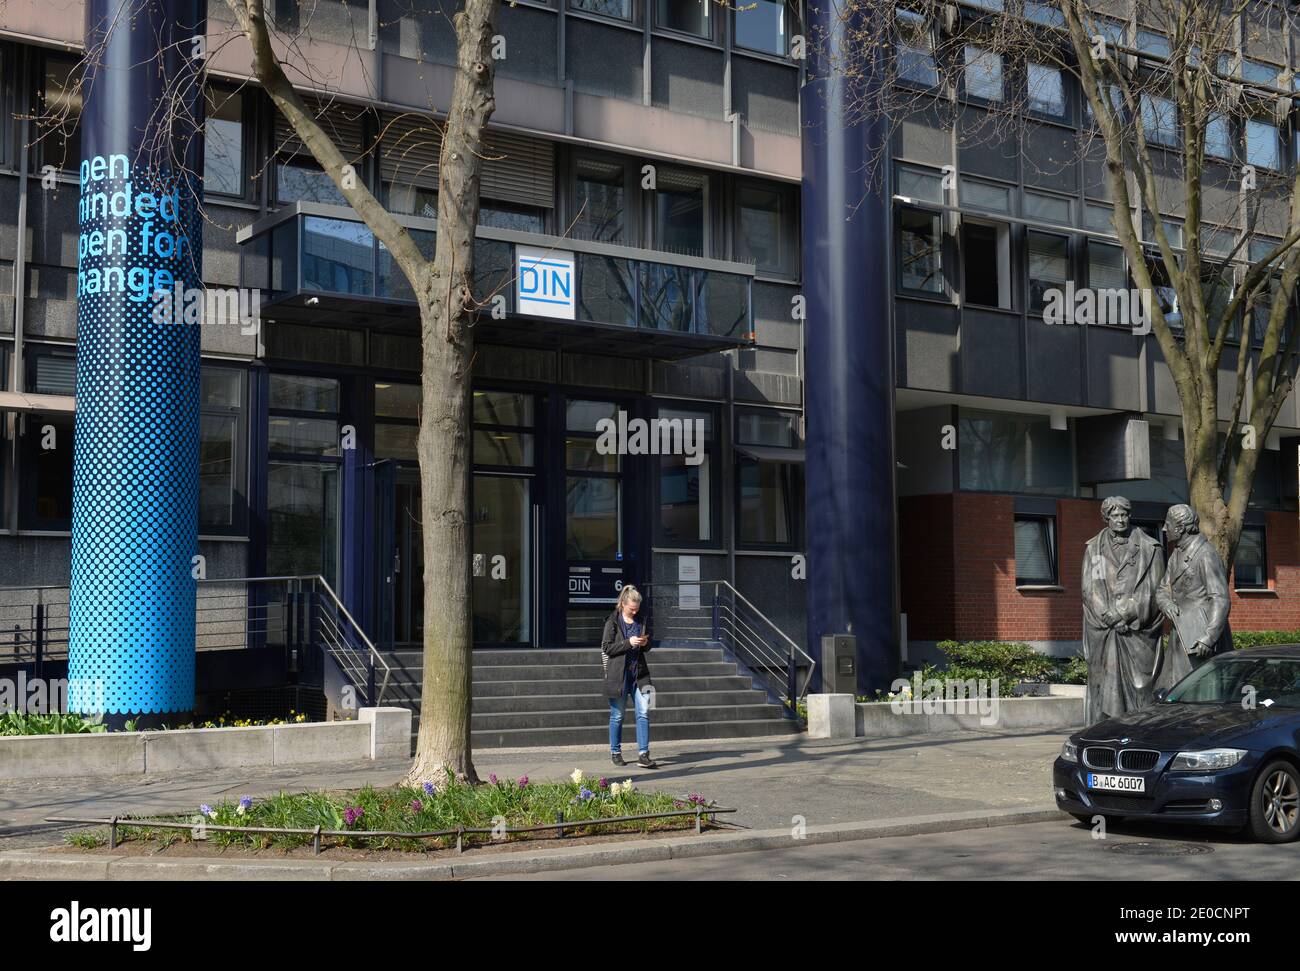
(1220, 748)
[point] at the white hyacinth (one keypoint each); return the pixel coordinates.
(577, 777)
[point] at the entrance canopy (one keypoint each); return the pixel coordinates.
(318, 263)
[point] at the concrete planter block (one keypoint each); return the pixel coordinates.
(206, 748)
(74, 756)
(880, 720)
(390, 732)
(320, 742)
(830, 716)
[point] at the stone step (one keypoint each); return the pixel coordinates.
(538, 737)
(595, 701)
(659, 715)
(537, 672)
(567, 686)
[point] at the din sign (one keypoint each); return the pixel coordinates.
(546, 282)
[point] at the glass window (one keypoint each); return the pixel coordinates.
(46, 446)
(1112, 30)
(766, 427)
(600, 201)
(620, 9)
(1259, 72)
(982, 195)
(920, 250)
(398, 442)
(1108, 271)
(1218, 137)
(1159, 120)
(223, 142)
(497, 446)
(56, 373)
(1250, 568)
(917, 184)
(983, 74)
(503, 408)
(688, 16)
(292, 392)
(60, 136)
(915, 49)
(1049, 265)
(686, 480)
(338, 256)
(681, 209)
(412, 200)
(303, 436)
(1099, 218)
(986, 264)
(1263, 145)
(1013, 453)
(1049, 208)
(770, 496)
(221, 450)
(1035, 550)
(302, 507)
(397, 400)
(1046, 13)
(1150, 42)
(593, 511)
(765, 234)
(500, 215)
(301, 181)
(1046, 90)
(762, 25)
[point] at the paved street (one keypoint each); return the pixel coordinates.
(770, 780)
(1062, 850)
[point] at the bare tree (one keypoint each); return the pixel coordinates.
(1164, 123)
(444, 294)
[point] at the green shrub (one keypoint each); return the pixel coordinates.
(57, 723)
(1073, 671)
(1259, 638)
(1009, 662)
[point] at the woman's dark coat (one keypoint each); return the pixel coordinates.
(614, 648)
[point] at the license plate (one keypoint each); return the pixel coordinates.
(1117, 783)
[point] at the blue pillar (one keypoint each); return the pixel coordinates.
(849, 357)
(135, 458)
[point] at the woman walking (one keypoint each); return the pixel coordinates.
(623, 647)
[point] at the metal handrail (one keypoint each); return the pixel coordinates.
(375, 656)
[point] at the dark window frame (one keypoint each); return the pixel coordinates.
(1263, 553)
(1052, 551)
(713, 452)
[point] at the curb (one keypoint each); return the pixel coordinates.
(29, 865)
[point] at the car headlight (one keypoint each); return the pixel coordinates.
(1208, 761)
(1070, 752)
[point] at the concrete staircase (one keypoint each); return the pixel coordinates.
(527, 697)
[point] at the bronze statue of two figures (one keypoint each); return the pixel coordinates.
(1129, 590)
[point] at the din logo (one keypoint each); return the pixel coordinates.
(580, 585)
(546, 282)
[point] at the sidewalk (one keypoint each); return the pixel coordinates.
(769, 780)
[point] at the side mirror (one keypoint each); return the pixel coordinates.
(1161, 694)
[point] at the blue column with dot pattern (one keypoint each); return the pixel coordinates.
(136, 443)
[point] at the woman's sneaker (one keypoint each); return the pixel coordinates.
(646, 762)
(617, 758)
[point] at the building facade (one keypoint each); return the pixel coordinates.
(656, 146)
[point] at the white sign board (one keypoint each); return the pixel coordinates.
(545, 282)
(688, 593)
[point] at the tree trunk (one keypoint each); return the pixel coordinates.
(447, 310)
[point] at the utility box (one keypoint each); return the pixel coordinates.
(839, 664)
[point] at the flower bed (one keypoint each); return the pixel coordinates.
(381, 818)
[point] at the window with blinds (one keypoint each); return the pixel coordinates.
(517, 169)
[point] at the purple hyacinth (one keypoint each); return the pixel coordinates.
(245, 802)
(205, 809)
(416, 805)
(353, 814)
(603, 783)
(428, 788)
(523, 782)
(492, 778)
(584, 794)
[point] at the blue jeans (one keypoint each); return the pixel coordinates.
(641, 701)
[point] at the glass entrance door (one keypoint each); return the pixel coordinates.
(503, 561)
(400, 549)
(593, 520)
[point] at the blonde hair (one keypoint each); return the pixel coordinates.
(628, 594)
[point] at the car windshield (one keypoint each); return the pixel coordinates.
(1266, 681)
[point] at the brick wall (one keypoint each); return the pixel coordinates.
(958, 572)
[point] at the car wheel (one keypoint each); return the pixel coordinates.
(1275, 804)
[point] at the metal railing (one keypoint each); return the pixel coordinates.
(301, 615)
(716, 613)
